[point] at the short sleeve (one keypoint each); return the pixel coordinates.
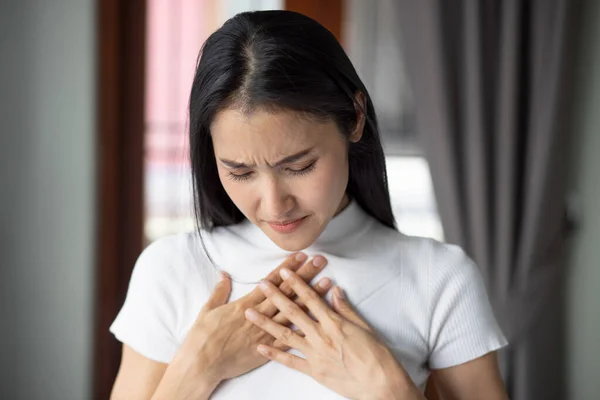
(462, 325)
(147, 320)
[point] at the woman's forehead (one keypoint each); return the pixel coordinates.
(266, 138)
(271, 128)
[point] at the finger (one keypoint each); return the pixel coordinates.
(293, 262)
(322, 287)
(345, 309)
(290, 309)
(315, 304)
(284, 334)
(307, 272)
(287, 359)
(220, 294)
(282, 346)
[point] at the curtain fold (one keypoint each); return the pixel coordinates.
(490, 84)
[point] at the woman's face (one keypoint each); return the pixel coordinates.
(287, 174)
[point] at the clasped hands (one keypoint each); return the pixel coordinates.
(342, 352)
(228, 339)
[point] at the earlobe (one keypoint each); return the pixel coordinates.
(355, 137)
(360, 104)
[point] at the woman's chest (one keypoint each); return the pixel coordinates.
(386, 296)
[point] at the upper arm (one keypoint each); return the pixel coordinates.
(463, 332)
(148, 319)
(476, 379)
(138, 376)
(462, 325)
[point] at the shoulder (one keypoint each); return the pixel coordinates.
(170, 258)
(451, 269)
(437, 263)
(433, 268)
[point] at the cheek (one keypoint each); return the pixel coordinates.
(328, 185)
(238, 193)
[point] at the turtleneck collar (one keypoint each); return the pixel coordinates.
(347, 223)
(248, 254)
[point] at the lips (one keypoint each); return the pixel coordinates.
(286, 226)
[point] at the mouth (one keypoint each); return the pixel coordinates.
(286, 226)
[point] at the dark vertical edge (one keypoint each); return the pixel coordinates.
(120, 129)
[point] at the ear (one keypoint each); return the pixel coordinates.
(360, 105)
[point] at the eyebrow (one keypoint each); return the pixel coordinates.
(286, 160)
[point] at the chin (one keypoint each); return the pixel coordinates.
(292, 244)
(298, 240)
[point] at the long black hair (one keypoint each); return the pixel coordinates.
(280, 60)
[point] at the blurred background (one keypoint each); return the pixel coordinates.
(489, 113)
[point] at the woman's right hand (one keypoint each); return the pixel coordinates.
(222, 343)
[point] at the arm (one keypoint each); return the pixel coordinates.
(138, 376)
(144, 324)
(476, 379)
(142, 378)
(175, 377)
(464, 334)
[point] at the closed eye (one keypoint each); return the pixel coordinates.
(239, 177)
(303, 171)
(295, 172)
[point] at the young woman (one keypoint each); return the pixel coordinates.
(287, 164)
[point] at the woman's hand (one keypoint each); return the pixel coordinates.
(222, 344)
(342, 351)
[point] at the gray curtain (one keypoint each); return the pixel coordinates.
(489, 80)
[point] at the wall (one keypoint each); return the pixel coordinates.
(584, 274)
(47, 186)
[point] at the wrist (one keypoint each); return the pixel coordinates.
(183, 380)
(397, 384)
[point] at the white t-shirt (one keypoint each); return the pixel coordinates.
(426, 299)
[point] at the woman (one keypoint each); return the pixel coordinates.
(287, 162)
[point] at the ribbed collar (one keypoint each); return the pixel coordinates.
(248, 254)
(349, 222)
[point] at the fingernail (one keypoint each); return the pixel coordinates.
(318, 261)
(263, 286)
(262, 349)
(339, 292)
(224, 275)
(251, 314)
(301, 257)
(285, 273)
(323, 283)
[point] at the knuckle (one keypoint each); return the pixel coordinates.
(337, 323)
(311, 300)
(239, 308)
(311, 295)
(291, 361)
(292, 310)
(286, 289)
(286, 335)
(292, 279)
(307, 272)
(275, 279)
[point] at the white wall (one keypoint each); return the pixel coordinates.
(47, 186)
(584, 283)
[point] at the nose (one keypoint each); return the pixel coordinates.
(277, 201)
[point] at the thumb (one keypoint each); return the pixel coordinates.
(342, 307)
(220, 294)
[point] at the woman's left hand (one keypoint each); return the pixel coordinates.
(342, 351)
